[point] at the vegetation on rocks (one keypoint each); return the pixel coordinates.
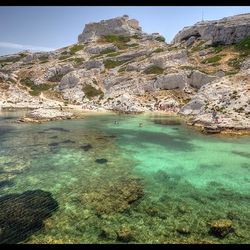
(153, 70)
(35, 89)
(91, 92)
(244, 46)
(76, 48)
(109, 64)
(160, 39)
(212, 59)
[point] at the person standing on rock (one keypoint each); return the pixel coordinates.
(214, 116)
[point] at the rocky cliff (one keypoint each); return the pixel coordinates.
(116, 66)
(228, 30)
(116, 26)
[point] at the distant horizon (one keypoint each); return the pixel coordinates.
(26, 28)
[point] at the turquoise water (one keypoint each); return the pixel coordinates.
(149, 181)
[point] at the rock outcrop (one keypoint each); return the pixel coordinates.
(227, 30)
(115, 26)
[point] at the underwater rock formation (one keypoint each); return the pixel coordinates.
(114, 197)
(86, 147)
(220, 228)
(101, 161)
(22, 214)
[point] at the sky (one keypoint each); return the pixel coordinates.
(48, 28)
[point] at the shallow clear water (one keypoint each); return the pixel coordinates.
(187, 179)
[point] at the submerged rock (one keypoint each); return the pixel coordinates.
(21, 215)
(101, 161)
(86, 147)
(167, 121)
(220, 228)
(68, 141)
(124, 234)
(183, 229)
(114, 197)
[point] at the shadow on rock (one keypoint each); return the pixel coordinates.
(21, 215)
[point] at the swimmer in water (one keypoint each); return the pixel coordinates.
(116, 122)
(140, 125)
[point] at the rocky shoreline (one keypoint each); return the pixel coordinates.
(116, 67)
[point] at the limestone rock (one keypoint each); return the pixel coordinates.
(171, 81)
(100, 48)
(57, 71)
(46, 115)
(198, 79)
(81, 76)
(227, 30)
(91, 64)
(117, 26)
(170, 59)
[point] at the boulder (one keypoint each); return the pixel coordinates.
(198, 79)
(220, 228)
(171, 81)
(91, 64)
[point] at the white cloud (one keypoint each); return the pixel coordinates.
(24, 47)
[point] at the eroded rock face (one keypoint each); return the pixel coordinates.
(198, 79)
(78, 77)
(227, 30)
(170, 59)
(171, 81)
(117, 26)
(55, 73)
(21, 215)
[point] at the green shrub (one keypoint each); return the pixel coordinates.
(27, 82)
(76, 60)
(158, 50)
(213, 59)
(218, 48)
(160, 39)
(107, 51)
(114, 54)
(76, 48)
(43, 57)
(116, 38)
(244, 46)
(109, 64)
(153, 70)
(122, 69)
(63, 57)
(35, 89)
(91, 91)
(34, 92)
(45, 61)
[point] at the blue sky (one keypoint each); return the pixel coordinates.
(46, 28)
